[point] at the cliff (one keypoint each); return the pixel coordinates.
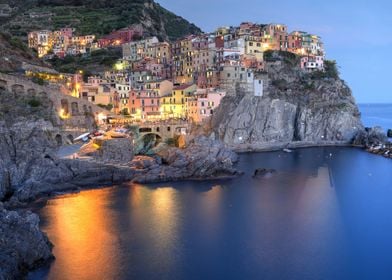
(296, 109)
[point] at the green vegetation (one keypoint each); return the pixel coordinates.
(89, 63)
(171, 142)
(288, 57)
(330, 71)
(108, 107)
(38, 80)
(98, 17)
(124, 112)
(34, 102)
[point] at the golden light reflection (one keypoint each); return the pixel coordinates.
(157, 213)
(164, 214)
(81, 226)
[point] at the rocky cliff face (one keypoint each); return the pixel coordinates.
(296, 108)
(22, 245)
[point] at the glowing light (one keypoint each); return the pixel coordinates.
(119, 66)
(63, 115)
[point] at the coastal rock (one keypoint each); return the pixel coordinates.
(22, 245)
(371, 136)
(263, 173)
(119, 150)
(204, 158)
(296, 107)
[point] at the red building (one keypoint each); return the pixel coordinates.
(122, 36)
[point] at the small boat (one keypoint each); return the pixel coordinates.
(287, 150)
(83, 137)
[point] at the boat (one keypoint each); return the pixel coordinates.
(287, 150)
(84, 137)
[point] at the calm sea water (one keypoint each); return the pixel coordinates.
(377, 115)
(327, 214)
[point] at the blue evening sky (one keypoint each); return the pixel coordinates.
(356, 33)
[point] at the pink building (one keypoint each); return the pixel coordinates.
(67, 32)
(203, 104)
(144, 104)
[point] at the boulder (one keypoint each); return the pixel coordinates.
(370, 136)
(203, 158)
(263, 173)
(23, 246)
(118, 150)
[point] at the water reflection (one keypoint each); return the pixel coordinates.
(82, 227)
(327, 214)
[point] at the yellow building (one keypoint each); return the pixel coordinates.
(174, 105)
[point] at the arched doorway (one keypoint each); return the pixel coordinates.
(59, 140)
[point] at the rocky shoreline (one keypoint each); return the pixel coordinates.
(203, 159)
(23, 247)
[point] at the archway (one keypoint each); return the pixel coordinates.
(31, 92)
(64, 106)
(147, 142)
(59, 140)
(17, 89)
(3, 84)
(70, 138)
(74, 109)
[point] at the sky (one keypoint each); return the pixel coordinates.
(356, 33)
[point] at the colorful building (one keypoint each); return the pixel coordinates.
(174, 105)
(203, 103)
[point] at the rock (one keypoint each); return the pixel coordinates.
(389, 133)
(204, 158)
(263, 173)
(118, 150)
(22, 245)
(313, 110)
(370, 136)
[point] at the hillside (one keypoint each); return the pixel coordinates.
(13, 52)
(94, 17)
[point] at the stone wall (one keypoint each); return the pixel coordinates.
(76, 112)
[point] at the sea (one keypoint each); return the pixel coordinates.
(376, 115)
(325, 214)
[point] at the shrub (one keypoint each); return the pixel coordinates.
(170, 141)
(331, 69)
(34, 103)
(38, 80)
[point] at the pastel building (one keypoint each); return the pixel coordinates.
(174, 105)
(203, 104)
(144, 105)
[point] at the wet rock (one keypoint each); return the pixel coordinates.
(22, 245)
(370, 136)
(203, 158)
(263, 173)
